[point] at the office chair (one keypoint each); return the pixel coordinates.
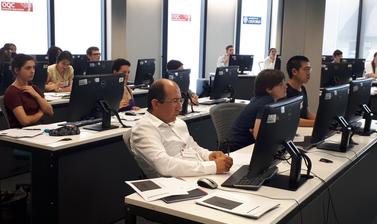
(4, 122)
(147, 169)
(223, 117)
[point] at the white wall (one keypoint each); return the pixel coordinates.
(220, 30)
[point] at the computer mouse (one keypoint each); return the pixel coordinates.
(130, 113)
(207, 183)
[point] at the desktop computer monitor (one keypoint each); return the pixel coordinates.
(358, 66)
(327, 58)
(332, 103)
(277, 65)
(225, 79)
(79, 63)
(244, 62)
(40, 57)
(6, 77)
(182, 78)
(91, 94)
(99, 67)
(277, 129)
(334, 74)
(144, 72)
(40, 76)
(359, 94)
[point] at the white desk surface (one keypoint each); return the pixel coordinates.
(288, 199)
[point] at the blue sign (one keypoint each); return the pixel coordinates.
(252, 20)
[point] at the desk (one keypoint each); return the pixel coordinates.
(354, 201)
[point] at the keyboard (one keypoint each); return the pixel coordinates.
(214, 101)
(83, 122)
(254, 183)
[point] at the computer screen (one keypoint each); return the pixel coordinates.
(277, 65)
(79, 63)
(327, 58)
(244, 62)
(182, 78)
(223, 83)
(99, 67)
(332, 103)
(40, 75)
(359, 94)
(40, 57)
(89, 90)
(6, 77)
(144, 72)
(334, 74)
(358, 66)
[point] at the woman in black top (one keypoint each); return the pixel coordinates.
(269, 88)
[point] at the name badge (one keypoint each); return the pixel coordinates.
(188, 153)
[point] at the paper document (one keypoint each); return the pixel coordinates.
(157, 188)
(238, 204)
(21, 133)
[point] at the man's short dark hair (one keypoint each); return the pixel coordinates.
(64, 55)
(156, 91)
(229, 46)
(295, 63)
(337, 52)
(118, 63)
(90, 50)
(173, 65)
(267, 79)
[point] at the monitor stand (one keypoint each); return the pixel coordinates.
(345, 142)
(106, 118)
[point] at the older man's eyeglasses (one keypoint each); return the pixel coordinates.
(175, 100)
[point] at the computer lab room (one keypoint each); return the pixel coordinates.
(188, 111)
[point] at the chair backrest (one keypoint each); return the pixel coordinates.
(148, 170)
(223, 116)
(4, 122)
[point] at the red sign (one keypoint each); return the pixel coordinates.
(16, 6)
(181, 17)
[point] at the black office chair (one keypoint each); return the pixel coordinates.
(4, 122)
(223, 116)
(147, 169)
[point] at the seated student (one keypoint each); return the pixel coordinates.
(298, 68)
(60, 75)
(269, 88)
(52, 54)
(370, 67)
(7, 52)
(269, 62)
(93, 54)
(24, 103)
(223, 60)
(178, 65)
(165, 142)
(122, 66)
(337, 55)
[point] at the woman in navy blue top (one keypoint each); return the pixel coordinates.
(269, 88)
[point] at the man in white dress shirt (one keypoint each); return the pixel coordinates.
(164, 140)
(223, 60)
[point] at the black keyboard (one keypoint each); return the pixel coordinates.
(254, 183)
(83, 122)
(214, 101)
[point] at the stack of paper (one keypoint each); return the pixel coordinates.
(21, 133)
(157, 188)
(252, 207)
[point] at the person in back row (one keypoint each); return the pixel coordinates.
(122, 66)
(269, 87)
(337, 56)
(269, 62)
(60, 75)
(370, 67)
(52, 54)
(164, 141)
(298, 68)
(223, 60)
(25, 104)
(93, 54)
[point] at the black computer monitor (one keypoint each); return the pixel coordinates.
(224, 82)
(79, 63)
(332, 103)
(244, 62)
(327, 58)
(358, 66)
(6, 77)
(40, 76)
(277, 65)
(95, 96)
(357, 106)
(182, 78)
(277, 129)
(99, 67)
(144, 72)
(40, 57)
(334, 74)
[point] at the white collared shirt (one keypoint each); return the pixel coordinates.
(220, 61)
(170, 148)
(268, 64)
